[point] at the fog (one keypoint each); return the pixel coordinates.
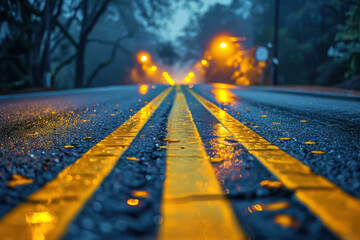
(59, 44)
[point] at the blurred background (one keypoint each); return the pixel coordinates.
(60, 44)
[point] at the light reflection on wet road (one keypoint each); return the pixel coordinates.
(322, 132)
(42, 134)
(264, 207)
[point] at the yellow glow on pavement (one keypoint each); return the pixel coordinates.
(223, 95)
(225, 85)
(132, 202)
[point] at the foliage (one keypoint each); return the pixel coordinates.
(40, 37)
(348, 40)
(309, 35)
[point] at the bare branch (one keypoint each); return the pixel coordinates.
(95, 18)
(62, 64)
(66, 33)
(116, 45)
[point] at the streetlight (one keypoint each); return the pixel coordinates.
(143, 58)
(223, 45)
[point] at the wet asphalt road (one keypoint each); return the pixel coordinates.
(36, 128)
(332, 124)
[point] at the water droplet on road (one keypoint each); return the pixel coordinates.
(317, 152)
(286, 221)
(284, 138)
(18, 180)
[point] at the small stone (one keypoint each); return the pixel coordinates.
(97, 206)
(87, 223)
(121, 225)
(106, 227)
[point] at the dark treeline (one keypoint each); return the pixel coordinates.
(319, 40)
(70, 43)
(82, 43)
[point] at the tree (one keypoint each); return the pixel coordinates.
(348, 40)
(40, 33)
(27, 45)
(87, 13)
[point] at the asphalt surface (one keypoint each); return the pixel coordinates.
(34, 131)
(241, 175)
(36, 128)
(333, 124)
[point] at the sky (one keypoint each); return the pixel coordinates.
(182, 17)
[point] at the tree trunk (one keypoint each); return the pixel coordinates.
(80, 63)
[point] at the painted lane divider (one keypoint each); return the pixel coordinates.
(193, 204)
(46, 213)
(339, 211)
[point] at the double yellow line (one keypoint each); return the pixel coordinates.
(193, 204)
(189, 177)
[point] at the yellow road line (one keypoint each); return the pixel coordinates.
(47, 212)
(194, 206)
(339, 211)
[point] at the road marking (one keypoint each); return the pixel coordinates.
(339, 211)
(193, 204)
(46, 213)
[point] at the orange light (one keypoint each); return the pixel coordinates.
(133, 202)
(223, 45)
(143, 89)
(224, 85)
(168, 78)
(262, 64)
(203, 62)
(143, 58)
(191, 74)
(153, 68)
(141, 194)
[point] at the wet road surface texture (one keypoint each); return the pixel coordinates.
(42, 135)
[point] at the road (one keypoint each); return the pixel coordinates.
(157, 162)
